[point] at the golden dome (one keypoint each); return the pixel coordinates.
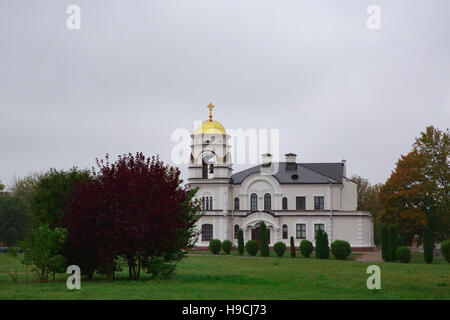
(210, 126)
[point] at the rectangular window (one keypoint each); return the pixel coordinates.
(318, 226)
(300, 231)
(207, 232)
(300, 203)
(318, 203)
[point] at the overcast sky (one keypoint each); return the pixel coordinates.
(138, 70)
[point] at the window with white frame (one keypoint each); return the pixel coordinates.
(317, 227)
(207, 232)
(285, 231)
(267, 202)
(319, 203)
(236, 203)
(300, 231)
(254, 202)
(300, 203)
(285, 203)
(207, 203)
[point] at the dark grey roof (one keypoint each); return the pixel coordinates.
(306, 172)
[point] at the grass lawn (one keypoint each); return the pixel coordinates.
(232, 277)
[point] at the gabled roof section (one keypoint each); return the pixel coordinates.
(304, 173)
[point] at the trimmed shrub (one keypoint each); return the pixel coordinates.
(341, 249)
(252, 247)
(292, 248)
(403, 254)
(159, 268)
(385, 243)
(241, 242)
(226, 246)
(264, 240)
(445, 249)
(306, 248)
(215, 245)
(427, 245)
(279, 248)
(393, 242)
(322, 249)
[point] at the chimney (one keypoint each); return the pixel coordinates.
(291, 161)
(291, 157)
(344, 168)
(266, 159)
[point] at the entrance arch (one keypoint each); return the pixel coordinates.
(256, 234)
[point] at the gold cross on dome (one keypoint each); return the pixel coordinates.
(210, 107)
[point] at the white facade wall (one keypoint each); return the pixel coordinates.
(342, 222)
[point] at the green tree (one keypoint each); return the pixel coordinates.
(322, 248)
(393, 242)
(417, 191)
(13, 219)
(434, 144)
(241, 245)
(51, 195)
(292, 248)
(42, 249)
(385, 253)
(24, 188)
(264, 240)
(427, 245)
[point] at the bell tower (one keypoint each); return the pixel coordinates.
(210, 153)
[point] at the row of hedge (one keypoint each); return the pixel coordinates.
(339, 248)
(392, 249)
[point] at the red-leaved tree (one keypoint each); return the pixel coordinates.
(134, 208)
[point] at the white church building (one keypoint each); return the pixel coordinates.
(292, 198)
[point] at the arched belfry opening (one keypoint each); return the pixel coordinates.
(208, 162)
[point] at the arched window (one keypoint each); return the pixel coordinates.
(267, 202)
(285, 231)
(254, 202)
(285, 203)
(207, 232)
(207, 203)
(236, 203)
(236, 231)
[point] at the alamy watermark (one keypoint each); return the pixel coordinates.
(374, 19)
(73, 21)
(374, 280)
(74, 280)
(242, 146)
